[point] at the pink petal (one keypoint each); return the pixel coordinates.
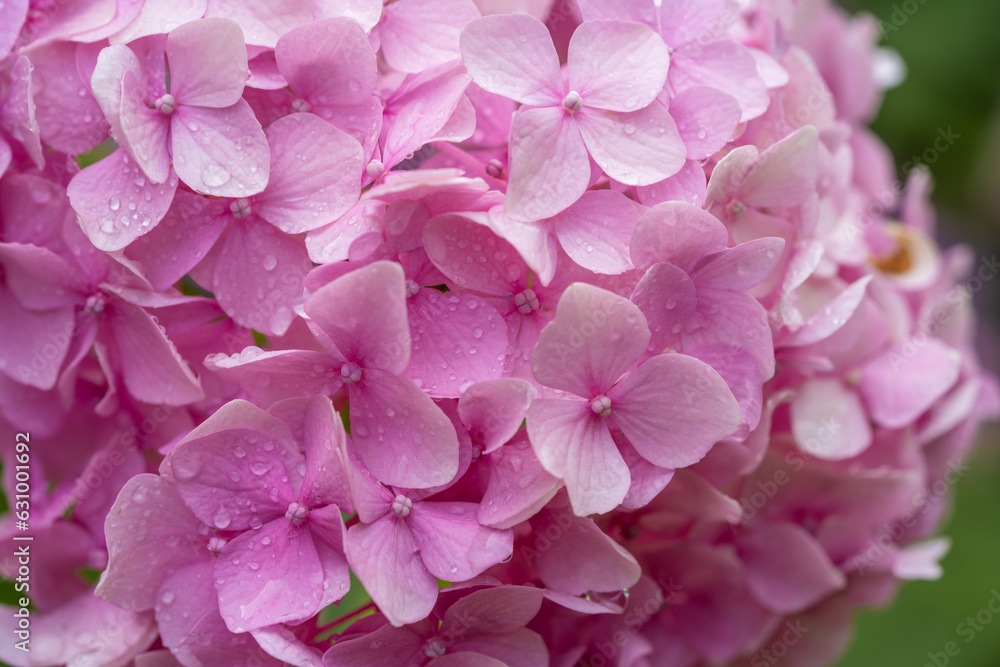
(90, 621)
(419, 34)
(325, 481)
(724, 65)
(706, 118)
(513, 56)
(905, 381)
(595, 337)
(687, 185)
(786, 568)
(451, 242)
(617, 65)
(33, 345)
(520, 648)
(534, 242)
(452, 543)
(264, 21)
(115, 202)
(736, 318)
(494, 611)
(596, 230)
(740, 268)
(328, 62)
(314, 177)
(144, 130)
(220, 152)
(208, 63)
(636, 148)
(17, 111)
(493, 410)
(466, 659)
(142, 553)
(829, 421)
(646, 480)
(518, 486)
(673, 408)
(677, 233)
(667, 297)
(583, 558)
(152, 369)
(386, 647)
(274, 375)
(5, 156)
(365, 12)
(259, 276)
(270, 575)
(68, 133)
(189, 229)
(832, 317)
(684, 21)
(41, 279)
(457, 339)
(384, 557)
(12, 15)
(332, 243)
(549, 167)
(188, 618)
(376, 338)
(157, 17)
(401, 435)
(572, 443)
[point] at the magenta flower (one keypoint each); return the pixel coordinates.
(608, 114)
(672, 408)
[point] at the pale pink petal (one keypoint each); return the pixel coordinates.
(259, 276)
(90, 621)
(12, 15)
(740, 268)
(384, 557)
(220, 152)
(905, 381)
(41, 279)
(365, 12)
(452, 543)
(142, 553)
(730, 317)
(549, 167)
(419, 34)
(116, 203)
(190, 228)
(706, 119)
(617, 65)
(513, 56)
(634, 148)
(493, 410)
(457, 339)
(451, 242)
(208, 63)
(160, 16)
(55, 83)
(315, 172)
(145, 131)
(673, 408)
(922, 560)
(667, 297)
(332, 243)
(274, 375)
(832, 317)
(785, 174)
(401, 435)
(687, 185)
(270, 575)
(328, 62)
(594, 339)
(724, 65)
(683, 21)
(534, 242)
(325, 481)
(33, 345)
(647, 480)
(639, 11)
(282, 643)
(677, 233)
(518, 486)
(829, 421)
(377, 338)
(263, 21)
(17, 111)
(575, 445)
(584, 558)
(152, 369)
(595, 231)
(786, 568)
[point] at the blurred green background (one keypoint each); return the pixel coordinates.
(952, 50)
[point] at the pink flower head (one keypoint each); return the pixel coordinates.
(672, 408)
(608, 114)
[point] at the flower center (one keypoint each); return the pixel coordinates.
(300, 105)
(401, 506)
(736, 209)
(572, 102)
(434, 648)
(95, 305)
(601, 406)
(526, 301)
(216, 545)
(350, 373)
(166, 104)
(240, 208)
(297, 514)
(412, 288)
(494, 168)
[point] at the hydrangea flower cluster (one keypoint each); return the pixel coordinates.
(466, 333)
